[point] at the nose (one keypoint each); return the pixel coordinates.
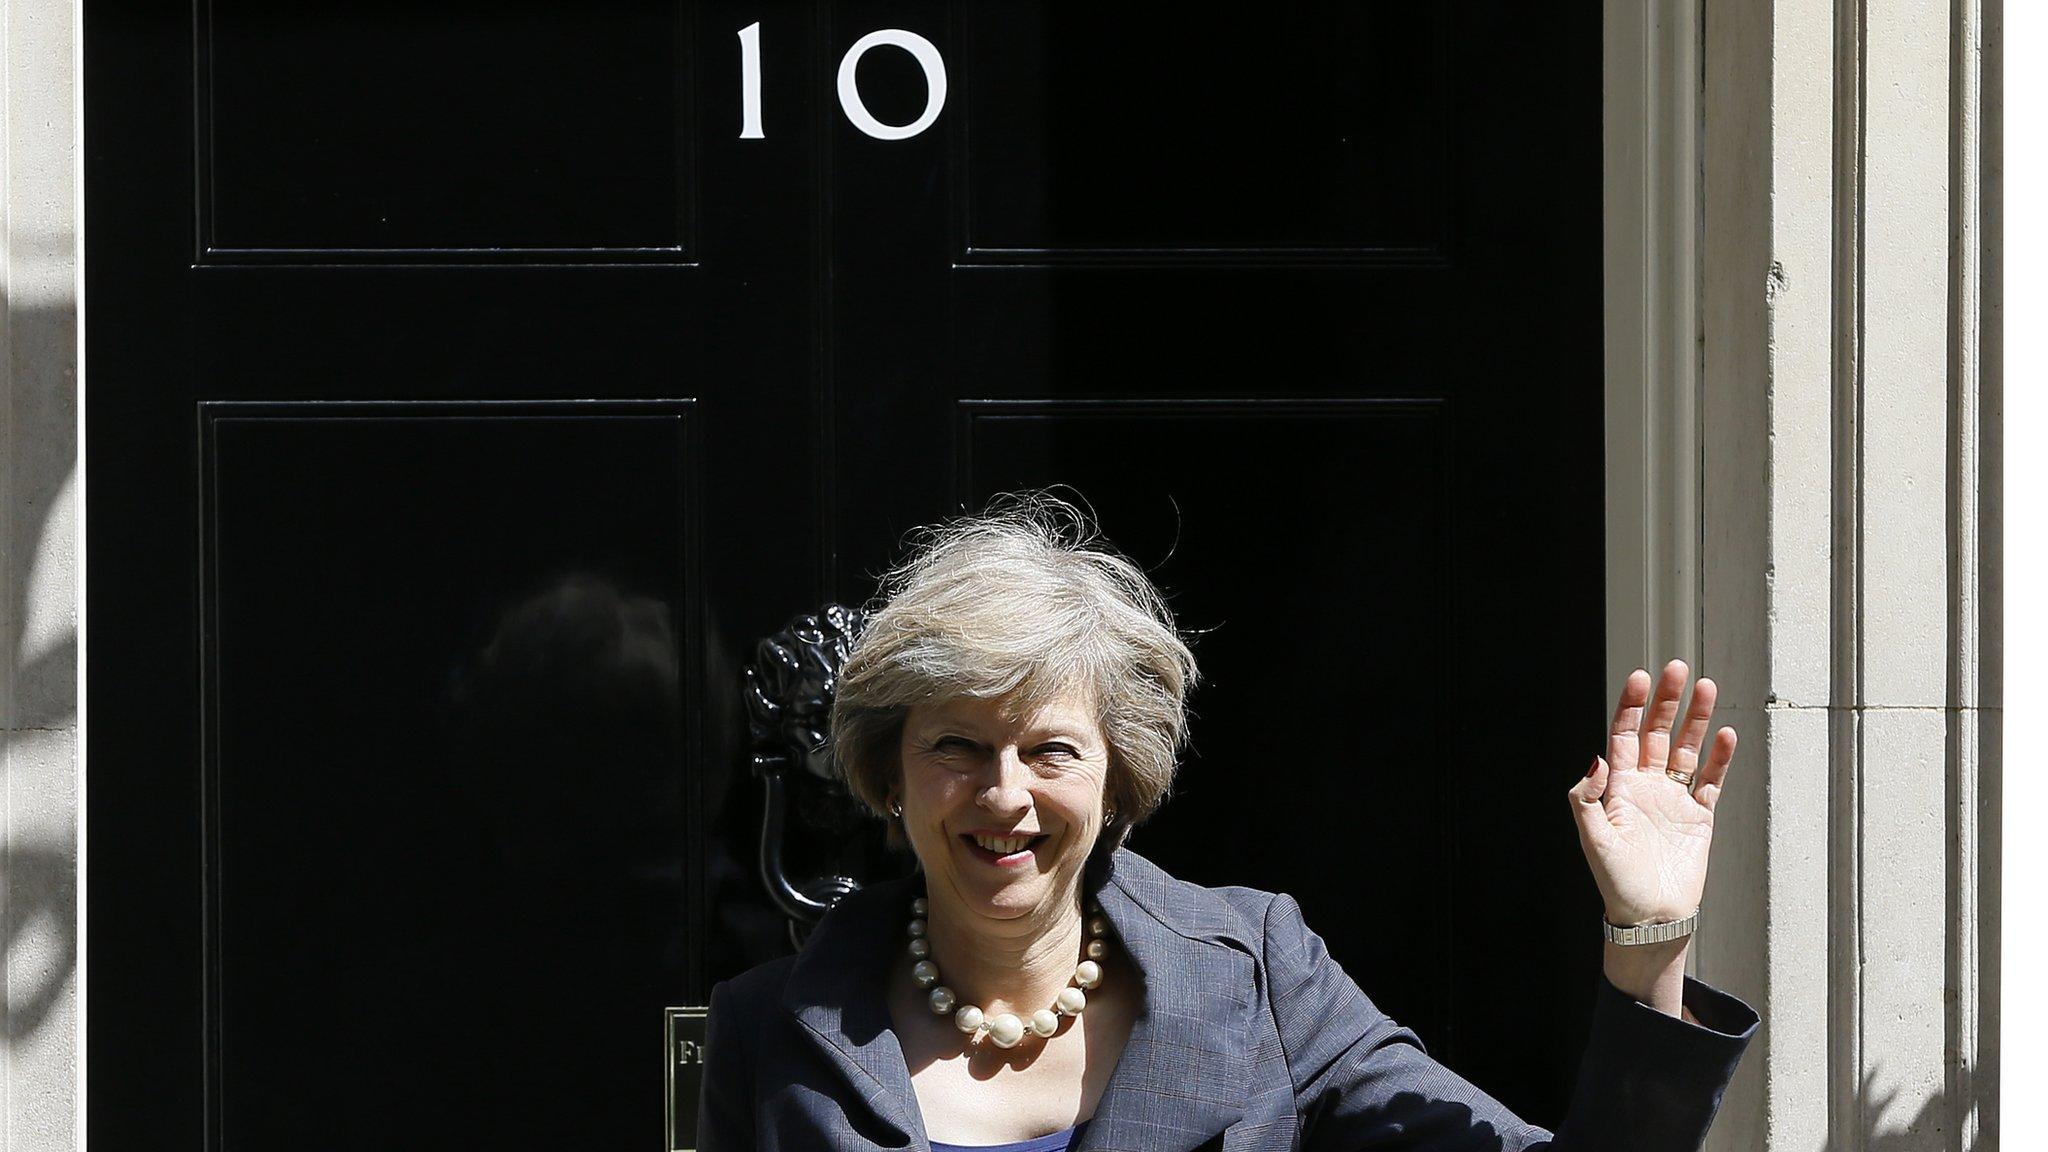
(1005, 794)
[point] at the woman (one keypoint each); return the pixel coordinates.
(1012, 711)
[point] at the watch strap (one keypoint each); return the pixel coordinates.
(1652, 933)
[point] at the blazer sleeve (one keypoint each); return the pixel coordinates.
(725, 1111)
(1648, 1081)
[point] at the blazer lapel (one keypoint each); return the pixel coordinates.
(1182, 1077)
(836, 991)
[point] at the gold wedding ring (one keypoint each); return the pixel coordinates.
(1684, 778)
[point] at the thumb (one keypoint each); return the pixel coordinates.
(1586, 807)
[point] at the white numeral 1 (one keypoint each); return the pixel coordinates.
(750, 82)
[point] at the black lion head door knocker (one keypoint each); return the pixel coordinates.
(811, 826)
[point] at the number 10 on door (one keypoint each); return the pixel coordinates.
(921, 50)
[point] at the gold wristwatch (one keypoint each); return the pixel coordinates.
(1652, 933)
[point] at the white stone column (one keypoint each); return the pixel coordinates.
(1840, 533)
(1767, 521)
(39, 581)
(1650, 274)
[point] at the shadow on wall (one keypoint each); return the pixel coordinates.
(42, 926)
(39, 490)
(1930, 1128)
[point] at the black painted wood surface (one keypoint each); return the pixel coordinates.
(465, 398)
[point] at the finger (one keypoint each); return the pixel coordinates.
(1587, 810)
(1686, 756)
(1622, 738)
(1719, 757)
(1660, 716)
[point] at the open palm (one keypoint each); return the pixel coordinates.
(1646, 834)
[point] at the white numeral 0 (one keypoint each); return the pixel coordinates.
(921, 50)
(927, 57)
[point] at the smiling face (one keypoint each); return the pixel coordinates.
(1003, 808)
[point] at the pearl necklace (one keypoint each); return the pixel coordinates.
(1005, 1029)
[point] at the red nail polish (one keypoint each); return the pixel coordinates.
(1593, 767)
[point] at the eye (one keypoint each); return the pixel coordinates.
(952, 744)
(1064, 751)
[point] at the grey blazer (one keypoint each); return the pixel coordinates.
(1251, 1037)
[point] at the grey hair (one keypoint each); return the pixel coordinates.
(1022, 602)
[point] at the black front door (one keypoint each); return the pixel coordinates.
(471, 387)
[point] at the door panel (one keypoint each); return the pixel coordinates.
(1297, 133)
(336, 131)
(451, 791)
(1324, 651)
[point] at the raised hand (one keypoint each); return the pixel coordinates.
(1645, 833)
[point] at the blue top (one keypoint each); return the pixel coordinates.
(1056, 1142)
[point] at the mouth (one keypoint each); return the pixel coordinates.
(1002, 851)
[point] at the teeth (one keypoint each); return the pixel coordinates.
(1003, 845)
